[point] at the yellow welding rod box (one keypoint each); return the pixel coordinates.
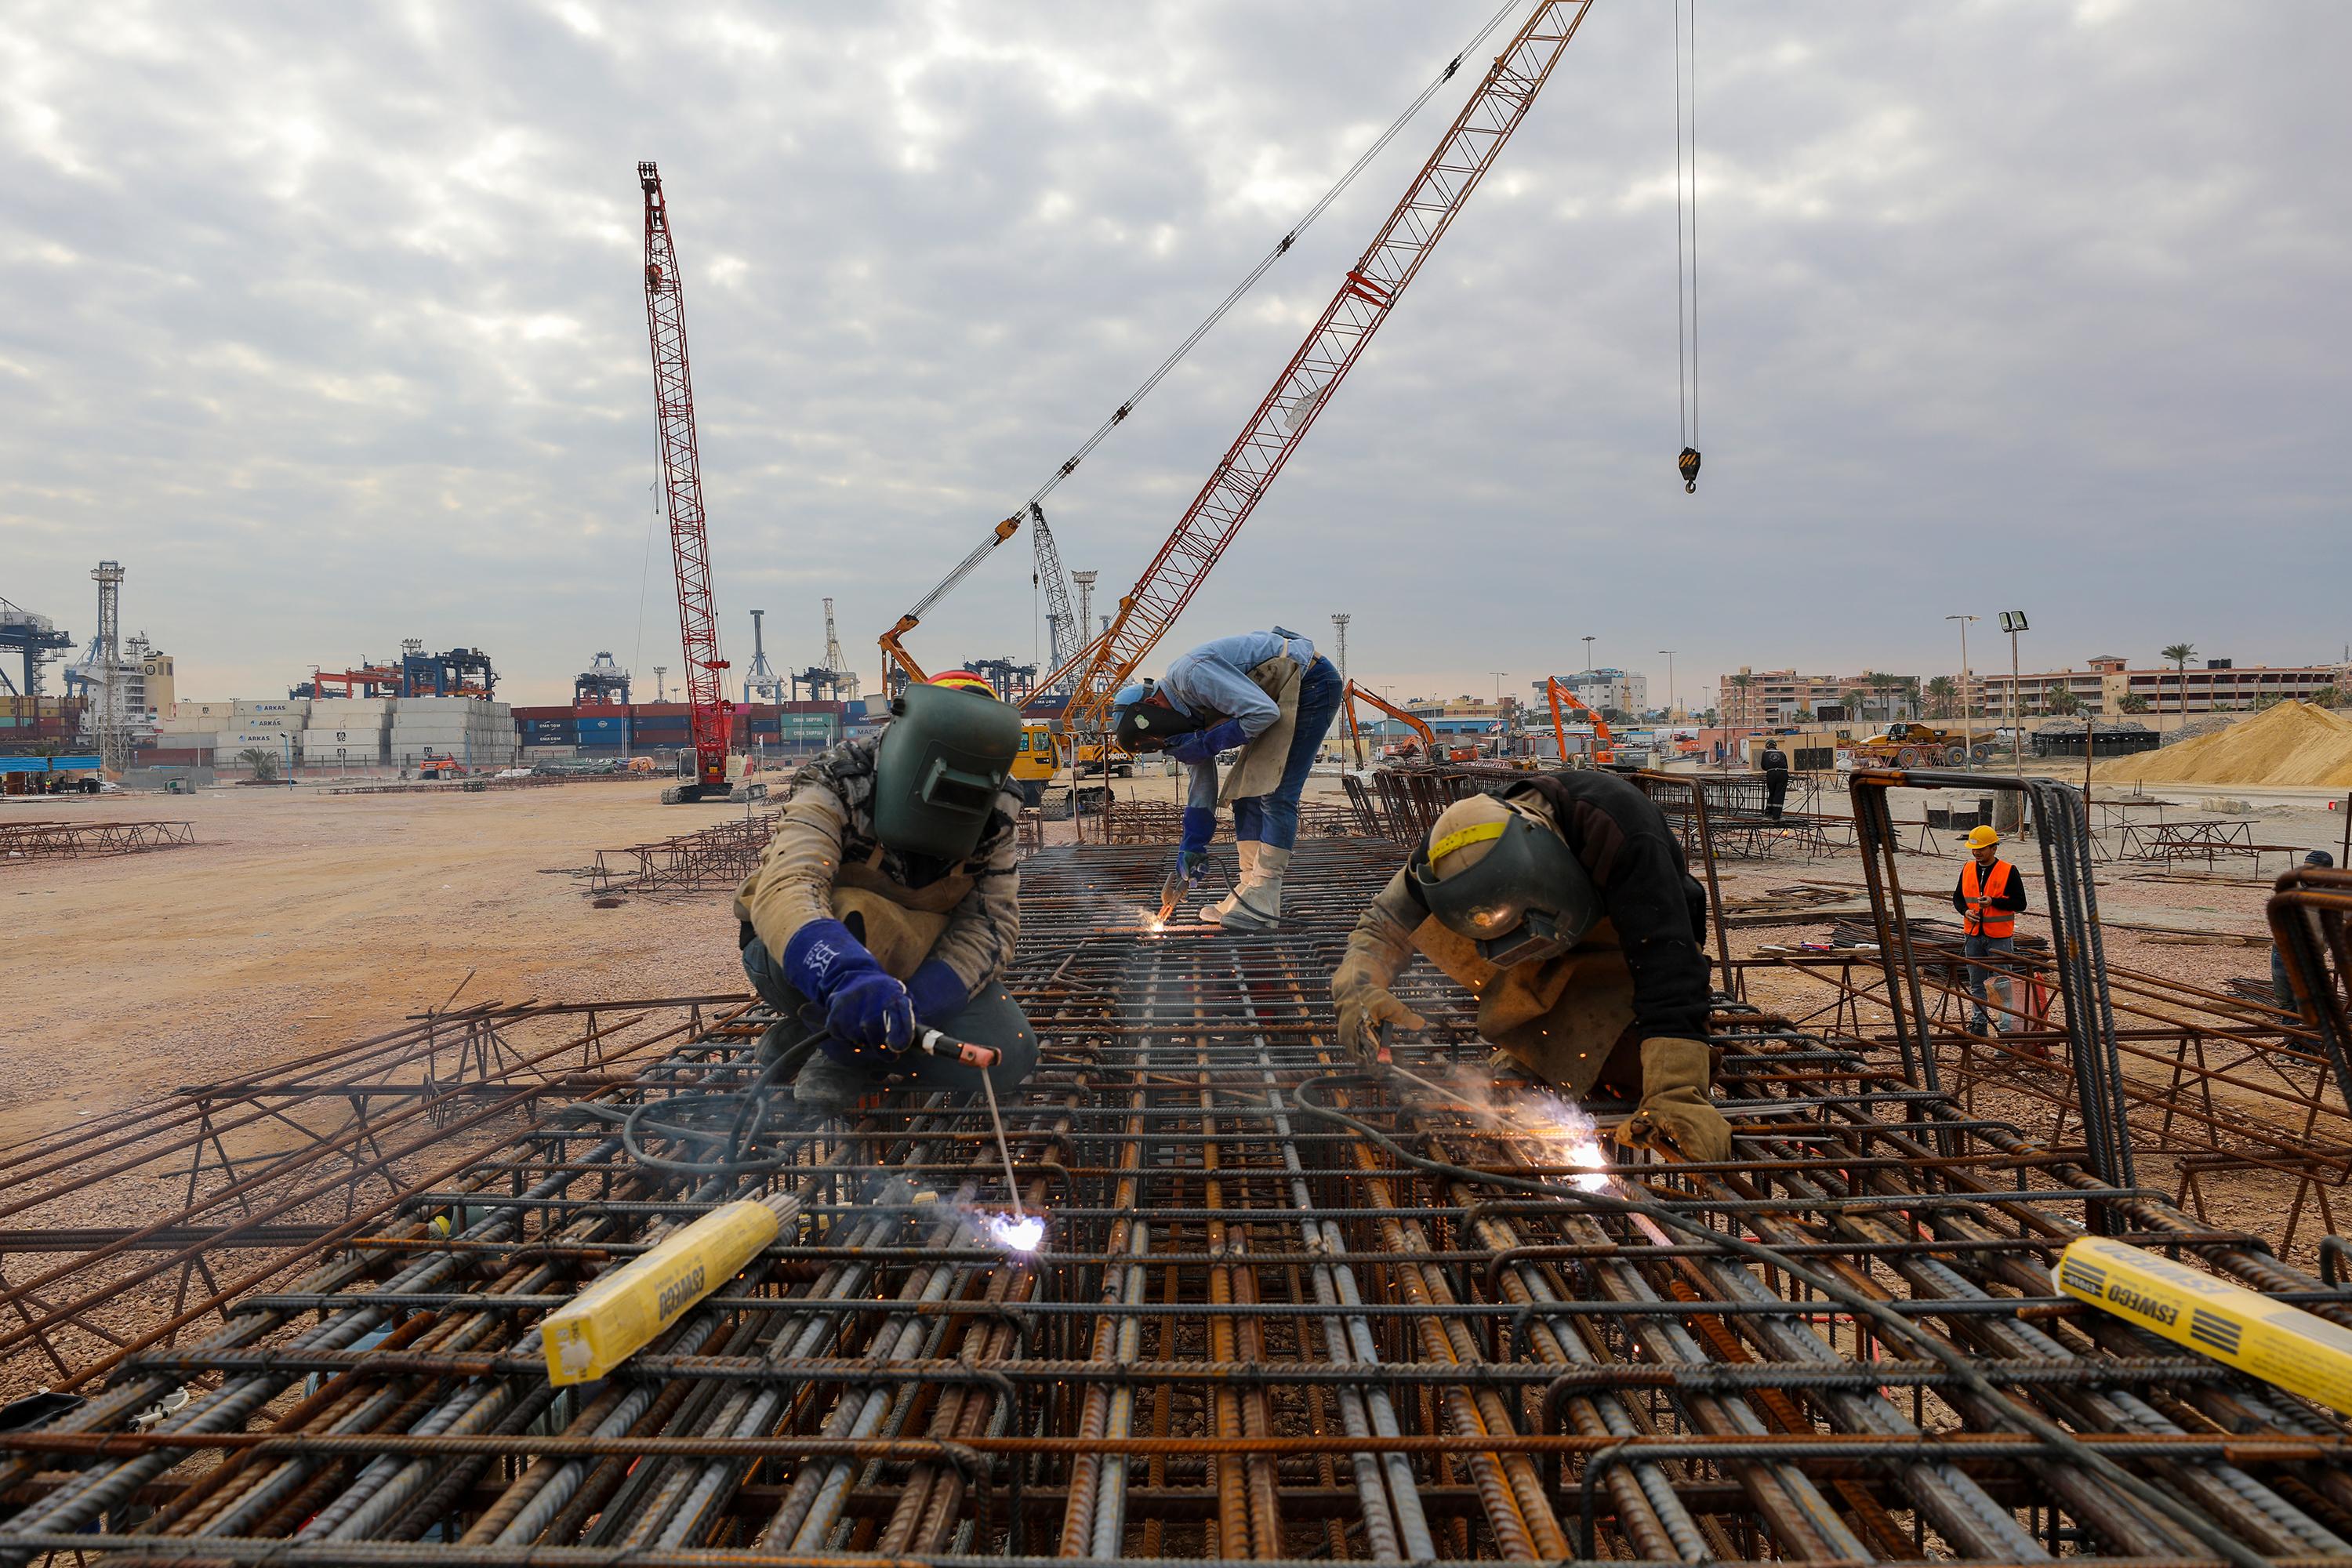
(619, 1315)
(2281, 1344)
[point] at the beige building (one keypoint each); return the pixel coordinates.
(2217, 686)
(1757, 696)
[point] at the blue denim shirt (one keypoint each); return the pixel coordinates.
(1213, 680)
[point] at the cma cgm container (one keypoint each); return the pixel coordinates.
(548, 732)
(602, 730)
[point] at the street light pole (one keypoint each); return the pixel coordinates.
(1967, 728)
(1674, 699)
(1588, 653)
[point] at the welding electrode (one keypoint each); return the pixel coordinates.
(930, 1042)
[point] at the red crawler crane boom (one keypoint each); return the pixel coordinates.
(1365, 296)
(711, 715)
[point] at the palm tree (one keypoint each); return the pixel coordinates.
(2061, 700)
(2180, 653)
(1941, 693)
(264, 763)
(1743, 680)
(2132, 703)
(1852, 697)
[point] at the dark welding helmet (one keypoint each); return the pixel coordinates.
(1506, 880)
(1138, 724)
(944, 757)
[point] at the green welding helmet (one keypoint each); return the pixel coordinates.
(944, 758)
(1509, 884)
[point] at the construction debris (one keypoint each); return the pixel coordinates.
(2290, 744)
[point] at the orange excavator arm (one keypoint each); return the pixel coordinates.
(1602, 752)
(1428, 735)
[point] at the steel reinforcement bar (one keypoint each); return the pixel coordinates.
(1288, 1306)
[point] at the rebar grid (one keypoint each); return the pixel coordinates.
(75, 840)
(710, 859)
(129, 1229)
(1289, 1307)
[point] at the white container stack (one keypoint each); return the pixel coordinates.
(354, 731)
(478, 732)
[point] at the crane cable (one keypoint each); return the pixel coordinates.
(1208, 323)
(1687, 284)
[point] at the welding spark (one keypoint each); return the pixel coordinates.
(1570, 1137)
(1014, 1232)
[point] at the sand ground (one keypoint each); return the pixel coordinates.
(301, 920)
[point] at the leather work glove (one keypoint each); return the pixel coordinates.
(1675, 1108)
(864, 1005)
(1361, 990)
(1203, 745)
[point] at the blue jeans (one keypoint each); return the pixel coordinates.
(1979, 975)
(992, 1018)
(1273, 819)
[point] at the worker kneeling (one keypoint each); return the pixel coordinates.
(888, 901)
(1273, 696)
(1565, 906)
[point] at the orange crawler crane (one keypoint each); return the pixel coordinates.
(1366, 296)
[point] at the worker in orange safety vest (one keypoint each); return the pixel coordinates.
(1990, 896)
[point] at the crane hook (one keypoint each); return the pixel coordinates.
(1688, 464)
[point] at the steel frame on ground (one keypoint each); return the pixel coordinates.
(75, 840)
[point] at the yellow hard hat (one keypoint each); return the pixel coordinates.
(1463, 833)
(1983, 838)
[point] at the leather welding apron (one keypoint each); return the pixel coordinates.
(900, 923)
(1259, 769)
(1560, 1019)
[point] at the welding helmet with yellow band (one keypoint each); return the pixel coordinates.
(944, 759)
(1495, 871)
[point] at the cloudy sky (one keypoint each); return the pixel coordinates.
(327, 323)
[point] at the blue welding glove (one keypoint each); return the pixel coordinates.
(1200, 827)
(1203, 745)
(865, 1010)
(937, 991)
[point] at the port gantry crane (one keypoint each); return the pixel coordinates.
(1095, 668)
(1364, 298)
(711, 717)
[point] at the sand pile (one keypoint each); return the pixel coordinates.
(2293, 743)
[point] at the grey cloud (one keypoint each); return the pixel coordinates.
(327, 323)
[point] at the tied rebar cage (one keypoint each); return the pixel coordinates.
(1288, 1306)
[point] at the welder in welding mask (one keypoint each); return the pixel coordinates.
(888, 900)
(1564, 905)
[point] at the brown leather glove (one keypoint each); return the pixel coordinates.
(1674, 1108)
(1361, 990)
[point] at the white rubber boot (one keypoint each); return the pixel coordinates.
(1258, 906)
(1247, 852)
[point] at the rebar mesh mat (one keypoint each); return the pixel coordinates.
(1287, 1307)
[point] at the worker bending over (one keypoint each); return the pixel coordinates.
(888, 900)
(1990, 896)
(1564, 905)
(1273, 696)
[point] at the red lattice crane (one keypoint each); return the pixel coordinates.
(711, 716)
(1364, 298)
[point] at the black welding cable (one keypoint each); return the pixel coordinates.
(738, 1120)
(1890, 1323)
